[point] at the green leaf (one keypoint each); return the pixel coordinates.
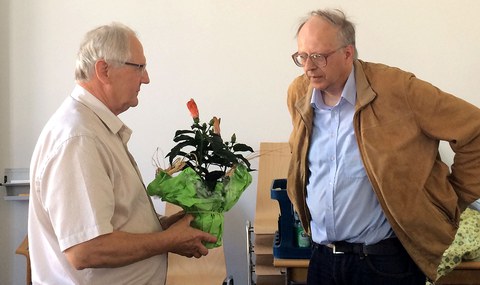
(184, 138)
(217, 143)
(242, 147)
(181, 132)
(229, 156)
(176, 151)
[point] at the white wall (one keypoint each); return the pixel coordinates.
(7, 218)
(233, 57)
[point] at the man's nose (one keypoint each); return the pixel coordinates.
(145, 77)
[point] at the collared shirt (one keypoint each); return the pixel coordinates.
(339, 195)
(475, 205)
(85, 183)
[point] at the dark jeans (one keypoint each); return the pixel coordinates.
(327, 268)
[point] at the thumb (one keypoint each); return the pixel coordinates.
(188, 218)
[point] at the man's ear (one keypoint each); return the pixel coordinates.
(350, 51)
(101, 70)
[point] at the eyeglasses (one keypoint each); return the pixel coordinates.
(319, 59)
(141, 67)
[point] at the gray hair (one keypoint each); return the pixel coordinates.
(109, 42)
(337, 19)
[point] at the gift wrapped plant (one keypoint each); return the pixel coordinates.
(206, 176)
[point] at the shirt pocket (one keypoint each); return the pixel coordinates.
(354, 165)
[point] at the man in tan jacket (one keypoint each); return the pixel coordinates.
(366, 177)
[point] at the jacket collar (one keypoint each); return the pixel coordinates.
(304, 106)
(365, 93)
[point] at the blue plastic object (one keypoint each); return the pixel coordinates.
(284, 243)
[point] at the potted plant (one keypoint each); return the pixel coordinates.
(206, 176)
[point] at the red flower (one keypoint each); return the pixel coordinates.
(216, 125)
(192, 107)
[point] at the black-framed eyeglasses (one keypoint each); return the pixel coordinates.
(141, 67)
(319, 59)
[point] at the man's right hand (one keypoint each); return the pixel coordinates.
(189, 241)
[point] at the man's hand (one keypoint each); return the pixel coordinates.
(121, 248)
(167, 221)
(187, 240)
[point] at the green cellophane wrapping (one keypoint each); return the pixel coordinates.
(187, 190)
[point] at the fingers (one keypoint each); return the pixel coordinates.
(200, 251)
(210, 238)
(198, 248)
(203, 251)
(191, 241)
(196, 252)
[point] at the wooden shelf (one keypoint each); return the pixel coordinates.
(16, 198)
(17, 184)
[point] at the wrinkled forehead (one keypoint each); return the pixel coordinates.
(136, 50)
(318, 35)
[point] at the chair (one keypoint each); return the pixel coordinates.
(23, 250)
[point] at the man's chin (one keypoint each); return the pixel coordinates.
(318, 86)
(317, 82)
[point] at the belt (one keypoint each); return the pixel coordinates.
(388, 246)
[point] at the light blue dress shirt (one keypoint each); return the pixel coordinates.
(339, 195)
(475, 205)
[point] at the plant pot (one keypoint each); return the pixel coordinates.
(210, 222)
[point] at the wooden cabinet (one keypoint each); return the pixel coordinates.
(273, 164)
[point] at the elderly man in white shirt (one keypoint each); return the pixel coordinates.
(90, 218)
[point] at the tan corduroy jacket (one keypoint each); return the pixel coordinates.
(398, 122)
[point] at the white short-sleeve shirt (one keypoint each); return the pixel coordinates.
(85, 183)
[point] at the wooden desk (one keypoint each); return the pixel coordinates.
(466, 273)
(295, 269)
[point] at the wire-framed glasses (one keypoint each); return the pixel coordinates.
(141, 67)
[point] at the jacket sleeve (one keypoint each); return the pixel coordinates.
(443, 116)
